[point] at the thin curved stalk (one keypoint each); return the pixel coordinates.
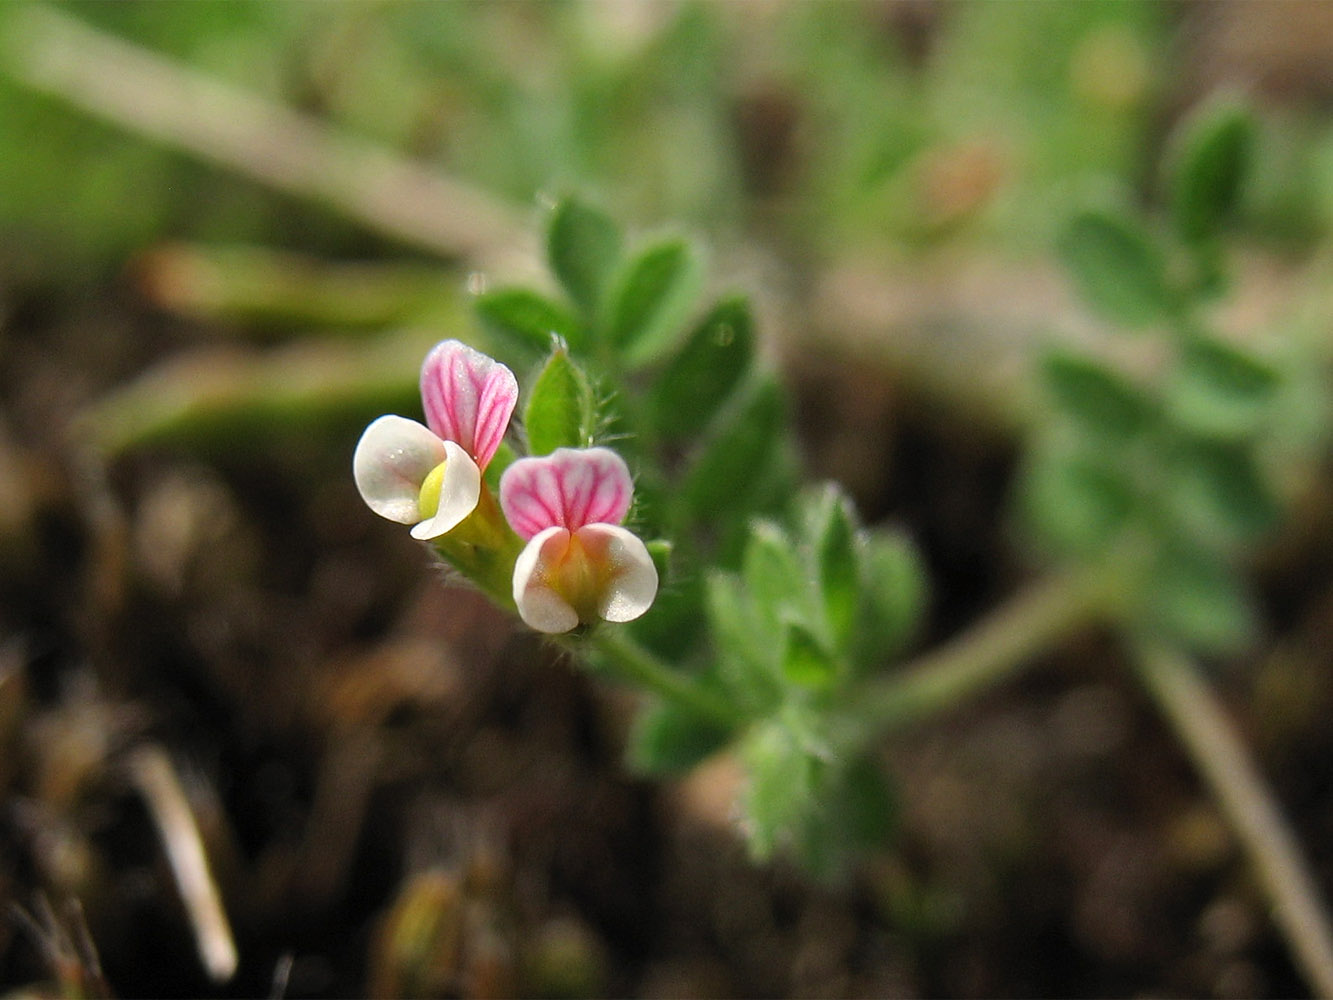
(622, 658)
(137, 89)
(1247, 801)
(986, 654)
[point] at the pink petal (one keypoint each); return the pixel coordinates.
(567, 488)
(468, 398)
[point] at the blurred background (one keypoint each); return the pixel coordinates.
(228, 233)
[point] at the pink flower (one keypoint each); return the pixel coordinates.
(579, 565)
(431, 476)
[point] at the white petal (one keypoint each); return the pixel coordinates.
(633, 584)
(459, 493)
(392, 459)
(538, 605)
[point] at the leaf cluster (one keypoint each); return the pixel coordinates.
(811, 610)
(1165, 466)
(702, 424)
(776, 608)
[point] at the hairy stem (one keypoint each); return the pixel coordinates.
(989, 652)
(621, 657)
(1247, 801)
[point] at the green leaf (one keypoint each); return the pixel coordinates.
(706, 370)
(742, 451)
(782, 779)
(672, 630)
(865, 803)
(1213, 151)
(652, 300)
(746, 645)
(894, 593)
(1099, 399)
(526, 321)
(1076, 505)
(854, 808)
(832, 531)
(1220, 495)
(1117, 268)
(583, 245)
(1222, 390)
(667, 739)
(1199, 600)
(559, 412)
(805, 662)
(773, 573)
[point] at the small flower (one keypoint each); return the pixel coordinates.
(579, 565)
(430, 476)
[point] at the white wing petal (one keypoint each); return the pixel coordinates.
(392, 459)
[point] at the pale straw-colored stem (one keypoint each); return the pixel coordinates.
(1247, 802)
(155, 776)
(175, 104)
(989, 652)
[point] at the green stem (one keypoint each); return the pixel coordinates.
(483, 548)
(625, 659)
(1246, 800)
(987, 653)
(137, 89)
(273, 286)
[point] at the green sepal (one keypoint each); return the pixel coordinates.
(503, 458)
(651, 299)
(711, 363)
(583, 245)
(1117, 268)
(1212, 154)
(527, 322)
(667, 739)
(659, 550)
(560, 408)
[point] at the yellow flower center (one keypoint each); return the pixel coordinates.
(428, 500)
(581, 575)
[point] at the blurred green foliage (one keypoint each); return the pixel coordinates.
(1171, 469)
(882, 126)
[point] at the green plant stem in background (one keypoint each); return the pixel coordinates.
(140, 90)
(620, 657)
(996, 648)
(1244, 797)
(268, 288)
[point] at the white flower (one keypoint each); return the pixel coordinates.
(430, 476)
